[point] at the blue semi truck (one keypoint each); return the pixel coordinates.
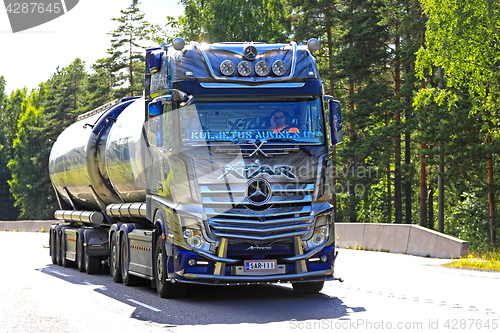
(220, 174)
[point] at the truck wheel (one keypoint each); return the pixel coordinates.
(308, 287)
(164, 287)
(92, 264)
(64, 262)
(113, 261)
(127, 279)
(53, 246)
(80, 258)
(58, 248)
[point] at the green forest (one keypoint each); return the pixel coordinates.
(418, 80)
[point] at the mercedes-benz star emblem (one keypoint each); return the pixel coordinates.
(258, 192)
(250, 52)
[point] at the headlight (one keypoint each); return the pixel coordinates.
(194, 238)
(321, 232)
(245, 68)
(320, 236)
(262, 68)
(279, 67)
(227, 67)
(193, 234)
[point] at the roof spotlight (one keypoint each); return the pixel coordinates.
(245, 68)
(262, 68)
(227, 67)
(279, 68)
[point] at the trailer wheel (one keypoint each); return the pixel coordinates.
(92, 264)
(80, 257)
(53, 237)
(58, 247)
(127, 279)
(164, 287)
(113, 261)
(308, 287)
(64, 262)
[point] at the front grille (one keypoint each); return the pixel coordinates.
(286, 215)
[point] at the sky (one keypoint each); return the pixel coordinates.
(29, 57)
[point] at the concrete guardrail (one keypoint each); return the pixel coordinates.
(400, 238)
(31, 226)
(396, 238)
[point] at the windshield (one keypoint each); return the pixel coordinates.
(298, 120)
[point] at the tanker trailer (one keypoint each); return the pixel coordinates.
(221, 174)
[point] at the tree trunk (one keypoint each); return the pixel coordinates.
(491, 201)
(332, 93)
(352, 208)
(398, 205)
(408, 187)
(441, 172)
(430, 200)
(423, 186)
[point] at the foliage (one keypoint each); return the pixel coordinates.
(456, 111)
(127, 50)
(463, 39)
(467, 219)
(30, 182)
(490, 262)
(8, 119)
(239, 20)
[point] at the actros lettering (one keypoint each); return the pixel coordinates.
(242, 171)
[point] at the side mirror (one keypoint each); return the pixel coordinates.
(155, 107)
(336, 133)
(154, 62)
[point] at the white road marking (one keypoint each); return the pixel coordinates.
(58, 273)
(91, 284)
(144, 305)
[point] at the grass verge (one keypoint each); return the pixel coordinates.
(487, 262)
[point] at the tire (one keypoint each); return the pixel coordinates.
(80, 257)
(53, 237)
(127, 279)
(114, 267)
(92, 264)
(64, 261)
(58, 247)
(308, 287)
(164, 287)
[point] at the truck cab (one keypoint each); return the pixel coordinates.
(240, 171)
(220, 174)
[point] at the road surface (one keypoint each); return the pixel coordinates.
(381, 292)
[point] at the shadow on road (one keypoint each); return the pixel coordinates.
(205, 305)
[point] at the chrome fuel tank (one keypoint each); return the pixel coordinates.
(78, 160)
(126, 152)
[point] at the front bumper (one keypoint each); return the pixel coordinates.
(220, 269)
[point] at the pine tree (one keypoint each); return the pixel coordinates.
(127, 50)
(66, 97)
(99, 88)
(361, 63)
(238, 21)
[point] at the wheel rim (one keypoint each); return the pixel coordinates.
(113, 256)
(159, 266)
(124, 259)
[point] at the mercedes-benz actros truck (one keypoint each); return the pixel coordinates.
(220, 174)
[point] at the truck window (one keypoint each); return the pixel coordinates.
(236, 121)
(161, 128)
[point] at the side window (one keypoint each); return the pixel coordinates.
(160, 124)
(167, 126)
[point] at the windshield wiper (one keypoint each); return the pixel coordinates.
(215, 141)
(290, 140)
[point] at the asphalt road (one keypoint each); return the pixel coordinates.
(381, 292)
